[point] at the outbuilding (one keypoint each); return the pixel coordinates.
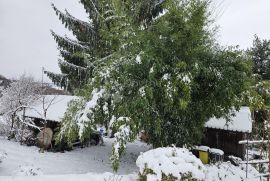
(55, 107)
(226, 135)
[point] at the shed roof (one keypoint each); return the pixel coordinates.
(241, 122)
(58, 106)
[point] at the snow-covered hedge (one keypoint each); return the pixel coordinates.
(227, 172)
(170, 164)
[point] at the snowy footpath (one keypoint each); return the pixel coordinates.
(90, 163)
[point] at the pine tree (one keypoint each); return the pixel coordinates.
(108, 22)
(79, 57)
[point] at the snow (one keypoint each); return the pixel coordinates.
(28, 170)
(71, 177)
(2, 121)
(177, 162)
(253, 141)
(4, 127)
(228, 172)
(24, 163)
(216, 151)
(55, 111)
(138, 59)
(94, 159)
(165, 77)
(3, 155)
(203, 148)
(84, 114)
(241, 122)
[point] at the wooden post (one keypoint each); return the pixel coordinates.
(23, 125)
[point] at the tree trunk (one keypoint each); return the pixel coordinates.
(23, 125)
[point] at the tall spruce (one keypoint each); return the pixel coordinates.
(79, 56)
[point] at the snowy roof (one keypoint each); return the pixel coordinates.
(241, 122)
(57, 106)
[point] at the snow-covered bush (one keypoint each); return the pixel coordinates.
(3, 155)
(227, 172)
(122, 137)
(28, 170)
(4, 127)
(170, 163)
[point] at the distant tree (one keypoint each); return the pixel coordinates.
(16, 97)
(260, 53)
(19, 93)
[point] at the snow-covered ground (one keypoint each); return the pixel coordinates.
(94, 159)
(93, 163)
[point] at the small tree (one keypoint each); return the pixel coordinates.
(19, 95)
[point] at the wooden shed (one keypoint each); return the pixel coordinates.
(56, 106)
(226, 135)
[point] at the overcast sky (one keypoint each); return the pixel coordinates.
(26, 43)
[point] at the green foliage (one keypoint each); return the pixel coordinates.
(165, 73)
(260, 53)
(147, 171)
(182, 78)
(69, 128)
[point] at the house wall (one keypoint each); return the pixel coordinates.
(226, 141)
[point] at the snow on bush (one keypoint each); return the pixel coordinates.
(122, 137)
(3, 155)
(86, 115)
(170, 163)
(28, 170)
(227, 172)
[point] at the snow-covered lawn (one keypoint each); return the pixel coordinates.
(94, 159)
(74, 177)
(93, 163)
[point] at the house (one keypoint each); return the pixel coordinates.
(226, 135)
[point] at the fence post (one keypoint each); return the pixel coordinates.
(247, 159)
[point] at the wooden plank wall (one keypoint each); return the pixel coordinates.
(226, 141)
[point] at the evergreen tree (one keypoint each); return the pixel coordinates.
(166, 75)
(260, 53)
(79, 57)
